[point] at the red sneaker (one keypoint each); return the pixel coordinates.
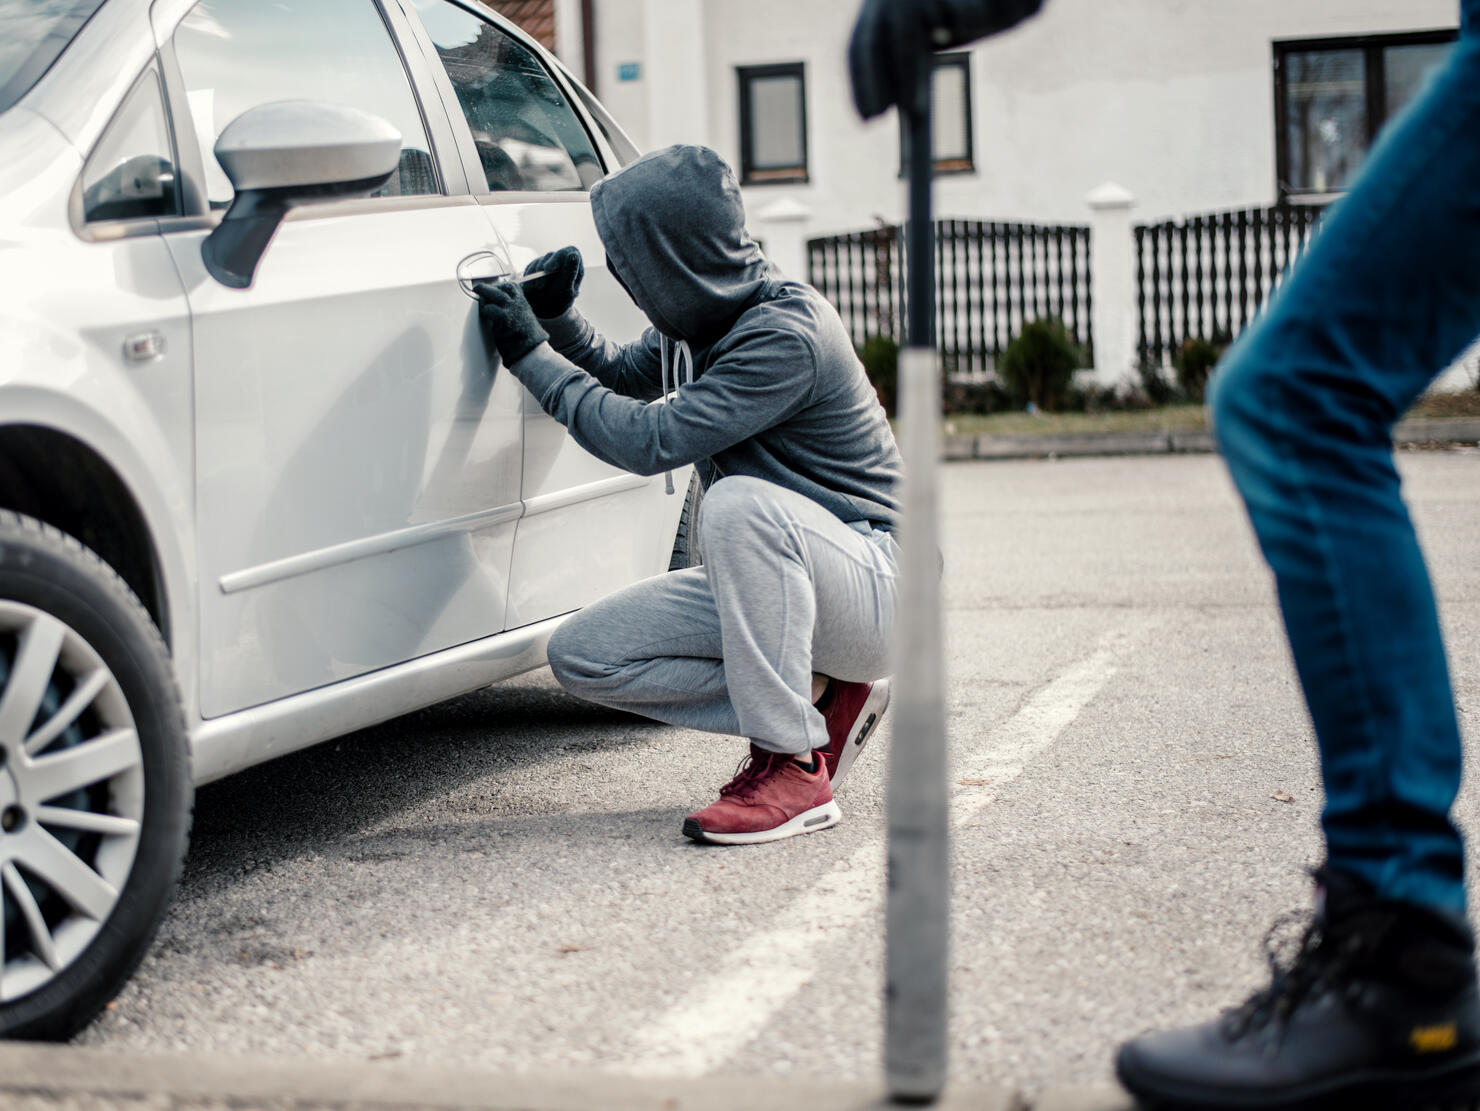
(852, 712)
(771, 797)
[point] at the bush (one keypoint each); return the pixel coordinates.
(981, 397)
(1038, 366)
(1194, 361)
(1154, 384)
(880, 358)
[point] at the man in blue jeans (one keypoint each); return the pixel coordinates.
(1378, 1008)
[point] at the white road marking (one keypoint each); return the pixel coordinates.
(716, 1019)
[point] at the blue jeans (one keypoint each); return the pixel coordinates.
(1386, 297)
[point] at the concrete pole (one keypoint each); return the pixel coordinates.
(673, 56)
(1113, 282)
(782, 224)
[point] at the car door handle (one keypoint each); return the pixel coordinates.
(480, 266)
(485, 266)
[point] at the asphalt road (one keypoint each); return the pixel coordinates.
(500, 880)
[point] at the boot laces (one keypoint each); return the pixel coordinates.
(750, 773)
(1301, 968)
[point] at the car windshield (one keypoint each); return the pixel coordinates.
(32, 34)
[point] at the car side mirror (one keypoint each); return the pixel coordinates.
(289, 153)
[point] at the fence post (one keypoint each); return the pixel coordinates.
(1112, 282)
(783, 227)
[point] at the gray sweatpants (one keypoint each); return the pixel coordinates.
(786, 590)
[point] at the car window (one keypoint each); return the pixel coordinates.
(623, 147)
(528, 135)
(130, 174)
(237, 54)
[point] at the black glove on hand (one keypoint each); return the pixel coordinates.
(508, 320)
(553, 294)
(892, 38)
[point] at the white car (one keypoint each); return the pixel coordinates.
(260, 481)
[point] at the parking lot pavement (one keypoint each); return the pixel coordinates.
(500, 882)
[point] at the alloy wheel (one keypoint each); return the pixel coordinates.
(71, 796)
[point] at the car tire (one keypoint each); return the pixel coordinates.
(686, 543)
(95, 817)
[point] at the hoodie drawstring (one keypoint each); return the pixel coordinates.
(683, 363)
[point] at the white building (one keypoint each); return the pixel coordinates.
(1173, 99)
(1188, 105)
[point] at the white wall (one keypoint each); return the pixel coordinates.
(621, 37)
(1171, 98)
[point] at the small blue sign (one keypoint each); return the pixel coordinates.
(629, 71)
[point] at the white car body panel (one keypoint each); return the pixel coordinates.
(341, 402)
(345, 604)
(549, 576)
(66, 306)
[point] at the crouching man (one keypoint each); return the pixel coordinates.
(782, 635)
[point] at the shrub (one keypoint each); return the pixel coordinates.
(1194, 361)
(981, 396)
(880, 358)
(1154, 384)
(1039, 364)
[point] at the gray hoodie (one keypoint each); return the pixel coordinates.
(756, 374)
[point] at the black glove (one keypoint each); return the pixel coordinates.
(892, 38)
(508, 321)
(553, 294)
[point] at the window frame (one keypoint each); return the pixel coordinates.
(1374, 75)
(750, 174)
(948, 167)
(462, 134)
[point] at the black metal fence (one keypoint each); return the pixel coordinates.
(991, 279)
(1207, 276)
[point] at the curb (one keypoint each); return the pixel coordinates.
(74, 1077)
(1104, 1098)
(1454, 430)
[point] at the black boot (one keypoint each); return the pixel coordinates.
(1377, 1009)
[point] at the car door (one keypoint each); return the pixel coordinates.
(357, 465)
(588, 528)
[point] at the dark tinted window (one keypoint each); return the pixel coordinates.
(237, 54)
(1333, 97)
(1326, 117)
(950, 117)
(32, 34)
(130, 174)
(528, 136)
(1407, 69)
(773, 123)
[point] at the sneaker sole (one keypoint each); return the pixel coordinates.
(808, 821)
(862, 729)
(1455, 1083)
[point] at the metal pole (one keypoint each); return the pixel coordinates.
(917, 909)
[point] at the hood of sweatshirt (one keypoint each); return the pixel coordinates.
(673, 226)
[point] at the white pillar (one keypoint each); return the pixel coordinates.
(1113, 282)
(568, 38)
(782, 224)
(677, 86)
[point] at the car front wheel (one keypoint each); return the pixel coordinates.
(95, 789)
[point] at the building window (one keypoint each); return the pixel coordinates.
(773, 124)
(950, 117)
(1332, 97)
